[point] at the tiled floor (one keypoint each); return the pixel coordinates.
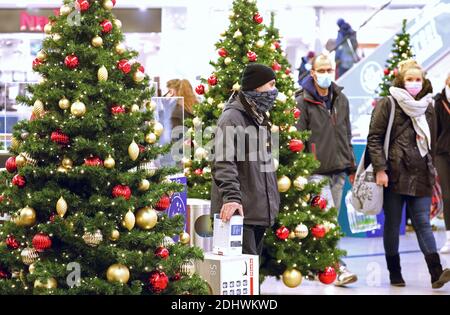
(366, 259)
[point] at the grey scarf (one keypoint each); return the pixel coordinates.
(264, 101)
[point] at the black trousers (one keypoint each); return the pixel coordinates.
(443, 168)
(253, 239)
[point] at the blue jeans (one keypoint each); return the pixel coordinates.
(419, 212)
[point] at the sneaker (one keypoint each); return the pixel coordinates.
(345, 277)
(446, 248)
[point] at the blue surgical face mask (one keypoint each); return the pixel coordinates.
(324, 80)
(264, 100)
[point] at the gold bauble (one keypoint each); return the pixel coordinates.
(227, 60)
(146, 218)
(32, 269)
(292, 129)
(97, 41)
(41, 55)
(78, 109)
(185, 238)
(260, 43)
(29, 255)
(129, 220)
(102, 74)
(135, 108)
(65, 10)
(21, 160)
(301, 231)
(67, 162)
(61, 207)
(115, 235)
(64, 103)
(109, 162)
(120, 48)
(187, 268)
(292, 278)
(62, 169)
(48, 28)
(56, 37)
(158, 129)
(291, 235)
(51, 283)
(236, 87)
(144, 185)
(138, 76)
(118, 273)
(133, 151)
(200, 154)
(150, 138)
(284, 183)
(118, 23)
(38, 108)
(300, 183)
(27, 217)
(108, 5)
(14, 144)
(186, 162)
(93, 239)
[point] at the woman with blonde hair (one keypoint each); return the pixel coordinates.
(408, 173)
(181, 88)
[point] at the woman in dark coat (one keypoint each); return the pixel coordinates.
(408, 173)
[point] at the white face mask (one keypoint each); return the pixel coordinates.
(324, 80)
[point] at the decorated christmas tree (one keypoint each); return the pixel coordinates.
(305, 235)
(401, 50)
(85, 198)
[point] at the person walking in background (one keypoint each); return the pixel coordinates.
(325, 112)
(408, 173)
(442, 108)
(305, 66)
(247, 185)
(346, 48)
(181, 88)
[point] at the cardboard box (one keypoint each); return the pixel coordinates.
(227, 236)
(230, 275)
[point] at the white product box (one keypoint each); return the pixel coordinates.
(227, 236)
(230, 275)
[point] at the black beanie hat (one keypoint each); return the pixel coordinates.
(256, 75)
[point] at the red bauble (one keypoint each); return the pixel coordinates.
(198, 172)
(257, 18)
(222, 52)
(2, 198)
(121, 191)
(158, 281)
(162, 252)
(318, 231)
(10, 164)
(4, 274)
(386, 71)
(124, 65)
(277, 44)
(53, 217)
(320, 202)
(12, 243)
(93, 161)
(252, 57)
(288, 71)
(296, 145)
(19, 181)
(141, 148)
(163, 203)
(212, 80)
(118, 109)
(106, 26)
(282, 233)
(60, 138)
(83, 5)
(71, 61)
(36, 63)
(200, 90)
(297, 113)
(328, 276)
(141, 68)
(41, 242)
(114, 2)
(276, 66)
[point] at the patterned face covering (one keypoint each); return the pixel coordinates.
(264, 101)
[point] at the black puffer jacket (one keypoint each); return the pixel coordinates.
(409, 173)
(240, 180)
(442, 107)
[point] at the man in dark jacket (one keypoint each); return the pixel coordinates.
(244, 178)
(346, 46)
(325, 112)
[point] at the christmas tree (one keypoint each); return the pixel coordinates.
(305, 235)
(86, 201)
(401, 50)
